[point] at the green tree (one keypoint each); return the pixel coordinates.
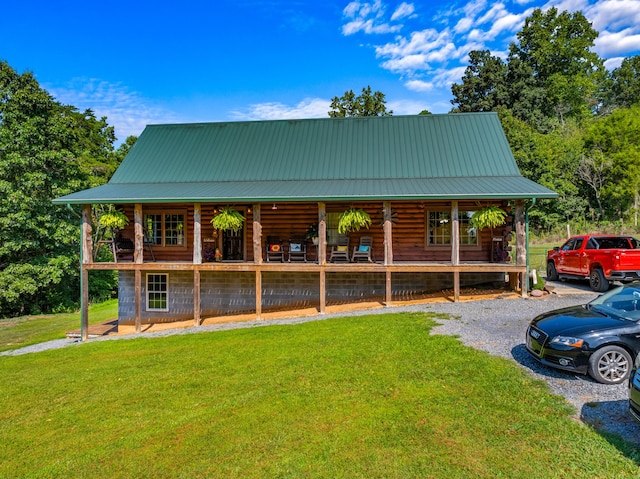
(365, 104)
(483, 86)
(626, 82)
(46, 150)
(615, 141)
(551, 73)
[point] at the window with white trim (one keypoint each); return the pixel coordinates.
(157, 292)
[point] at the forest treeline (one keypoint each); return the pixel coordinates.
(573, 126)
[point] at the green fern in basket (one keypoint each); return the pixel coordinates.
(228, 219)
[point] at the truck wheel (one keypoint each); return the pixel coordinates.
(610, 365)
(552, 274)
(597, 281)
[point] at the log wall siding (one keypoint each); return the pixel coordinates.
(291, 220)
(223, 294)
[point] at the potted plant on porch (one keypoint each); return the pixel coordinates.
(488, 217)
(352, 220)
(228, 219)
(312, 233)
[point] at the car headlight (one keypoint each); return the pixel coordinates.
(568, 341)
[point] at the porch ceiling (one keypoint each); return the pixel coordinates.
(485, 187)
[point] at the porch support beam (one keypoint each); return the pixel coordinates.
(521, 245)
(388, 290)
(388, 232)
(138, 251)
(322, 233)
(87, 258)
(257, 234)
(138, 299)
(87, 242)
(197, 234)
(455, 234)
(196, 297)
(323, 291)
(258, 294)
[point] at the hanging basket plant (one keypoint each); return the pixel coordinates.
(488, 217)
(114, 220)
(352, 220)
(228, 219)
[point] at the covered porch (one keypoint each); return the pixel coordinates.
(401, 253)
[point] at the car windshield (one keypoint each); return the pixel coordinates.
(622, 302)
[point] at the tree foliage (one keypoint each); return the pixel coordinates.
(46, 150)
(365, 104)
(571, 125)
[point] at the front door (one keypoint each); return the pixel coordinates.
(233, 245)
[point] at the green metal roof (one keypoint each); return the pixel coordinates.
(414, 157)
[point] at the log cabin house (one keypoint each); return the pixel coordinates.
(420, 178)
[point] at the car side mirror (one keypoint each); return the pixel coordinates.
(556, 249)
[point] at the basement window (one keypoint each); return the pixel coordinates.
(157, 292)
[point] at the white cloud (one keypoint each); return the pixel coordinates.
(419, 85)
(407, 107)
(126, 110)
(307, 108)
(369, 18)
(404, 10)
(617, 43)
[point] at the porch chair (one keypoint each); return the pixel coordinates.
(121, 247)
(340, 250)
(275, 251)
(364, 251)
(297, 250)
(147, 241)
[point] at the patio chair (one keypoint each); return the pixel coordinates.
(121, 248)
(364, 251)
(275, 251)
(340, 250)
(297, 250)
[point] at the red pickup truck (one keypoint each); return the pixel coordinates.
(599, 258)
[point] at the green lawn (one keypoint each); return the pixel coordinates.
(362, 397)
(538, 257)
(26, 330)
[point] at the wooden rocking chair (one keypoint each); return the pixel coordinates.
(340, 250)
(364, 251)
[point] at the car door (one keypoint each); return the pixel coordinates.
(574, 258)
(563, 259)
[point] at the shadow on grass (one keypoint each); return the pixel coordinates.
(612, 421)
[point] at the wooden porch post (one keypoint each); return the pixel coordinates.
(257, 234)
(258, 294)
(323, 291)
(87, 243)
(196, 297)
(138, 251)
(87, 258)
(455, 234)
(197, 233)
(455, 248)
(521, 245)
(138, 299)
(322, 233)
(388, 233)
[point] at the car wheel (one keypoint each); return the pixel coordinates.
(597, 281)
(552, 274)
(610, 365)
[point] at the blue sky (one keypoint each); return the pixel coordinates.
(140, 62)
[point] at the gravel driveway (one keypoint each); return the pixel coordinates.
(498, 327)
(494, 325)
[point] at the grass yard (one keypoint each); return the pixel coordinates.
(372, 397)
(538, 257)
(26, 330)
